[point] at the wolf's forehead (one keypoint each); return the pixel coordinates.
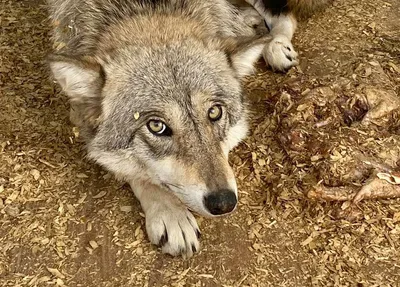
(162, 84)
(160, 68)
(176, 105)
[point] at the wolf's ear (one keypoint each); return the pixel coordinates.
(82, 80)
(244, 52)
(79, 78)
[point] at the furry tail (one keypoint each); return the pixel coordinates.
(306, 8)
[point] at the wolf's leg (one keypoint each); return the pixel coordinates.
(279, 53)
(169, 223)
(251, 17)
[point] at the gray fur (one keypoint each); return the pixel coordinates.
(125, 62)
(80, 23)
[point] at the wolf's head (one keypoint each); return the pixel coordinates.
(167, 113)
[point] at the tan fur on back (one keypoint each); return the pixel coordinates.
(305, 8)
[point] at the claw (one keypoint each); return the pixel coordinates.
(198, 234)
(164, 238)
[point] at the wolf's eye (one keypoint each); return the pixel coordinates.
(215, 113)
(159, 128)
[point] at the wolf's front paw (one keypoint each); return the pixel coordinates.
(173, 228)
(279, 54)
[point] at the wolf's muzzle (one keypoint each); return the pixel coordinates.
(220, 202)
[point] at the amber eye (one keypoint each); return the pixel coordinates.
(159, 128)
(215, 113)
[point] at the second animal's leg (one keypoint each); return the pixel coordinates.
(279, 53)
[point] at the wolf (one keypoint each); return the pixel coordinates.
(155, 87)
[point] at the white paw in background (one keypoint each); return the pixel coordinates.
(280, 55)
(173, 228)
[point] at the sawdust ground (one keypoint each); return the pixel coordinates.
(65, 221)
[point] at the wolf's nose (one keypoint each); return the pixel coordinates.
(220, 202)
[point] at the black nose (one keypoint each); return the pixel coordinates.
(220, 202)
